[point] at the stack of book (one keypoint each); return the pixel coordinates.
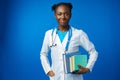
(71, 62)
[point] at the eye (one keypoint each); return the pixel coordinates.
(59, 14)
(67, 14)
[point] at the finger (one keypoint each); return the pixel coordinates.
(80, 66)
(75, 72)
(52, 74)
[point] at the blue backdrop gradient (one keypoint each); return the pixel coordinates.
(24, 22)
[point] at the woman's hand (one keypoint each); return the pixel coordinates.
(81, 70)
(51, 73)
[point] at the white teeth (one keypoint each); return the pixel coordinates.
(62, 21)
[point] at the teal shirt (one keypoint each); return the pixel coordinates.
(62, 35)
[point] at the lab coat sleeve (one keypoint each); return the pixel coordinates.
(89, 47)
(44, 54)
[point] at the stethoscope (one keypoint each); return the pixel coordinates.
(56, 32)
(53, 39)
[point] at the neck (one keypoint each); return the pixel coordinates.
(63, 28)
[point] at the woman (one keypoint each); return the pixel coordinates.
(63, 40)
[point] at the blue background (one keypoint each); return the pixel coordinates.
(24, 22)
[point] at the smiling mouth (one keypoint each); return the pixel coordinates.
(63, 21)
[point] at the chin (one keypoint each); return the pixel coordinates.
(63, 25)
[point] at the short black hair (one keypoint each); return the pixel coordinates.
(69, 5)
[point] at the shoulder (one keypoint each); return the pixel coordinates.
(49, 32)
(78, 31)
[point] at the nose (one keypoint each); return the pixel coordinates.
(63, 16)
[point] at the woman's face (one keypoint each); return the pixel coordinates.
(63, 15)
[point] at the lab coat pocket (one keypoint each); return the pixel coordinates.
(54, 49)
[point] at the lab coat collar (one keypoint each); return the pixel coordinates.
(62, 44)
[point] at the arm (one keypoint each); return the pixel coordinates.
(44, 55)
(89, 47)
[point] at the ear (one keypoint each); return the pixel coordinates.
(70, 15)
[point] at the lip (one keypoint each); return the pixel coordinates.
(63, 21)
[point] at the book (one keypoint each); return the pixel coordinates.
(75, 60)
(71, 62)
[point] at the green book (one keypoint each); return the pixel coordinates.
(77, 59)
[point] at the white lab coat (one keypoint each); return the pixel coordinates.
(79, 38)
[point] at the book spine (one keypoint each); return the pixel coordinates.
(73, 63)
(64, 63)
